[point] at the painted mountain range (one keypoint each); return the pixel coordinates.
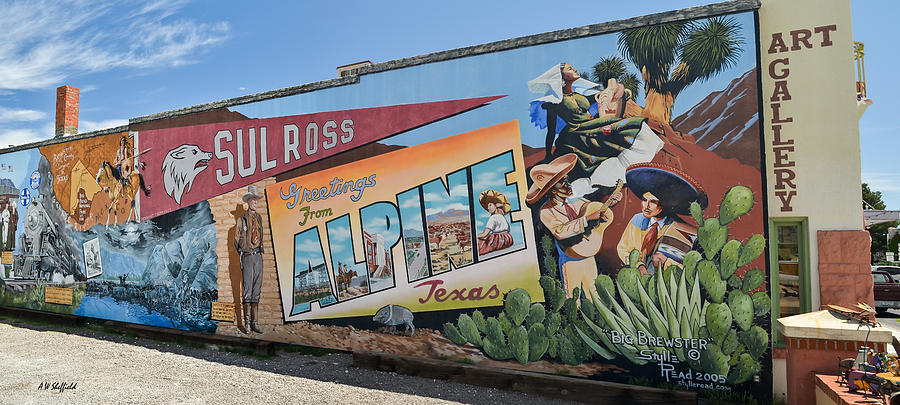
(723, 124)
(451, 215)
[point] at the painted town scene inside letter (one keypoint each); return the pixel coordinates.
(591, 207)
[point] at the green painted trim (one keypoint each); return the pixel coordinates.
(802, 270)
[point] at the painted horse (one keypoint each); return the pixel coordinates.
(118, 190)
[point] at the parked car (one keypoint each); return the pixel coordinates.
(894, 271)
(886, 290)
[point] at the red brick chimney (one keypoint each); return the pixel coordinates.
(66, 111)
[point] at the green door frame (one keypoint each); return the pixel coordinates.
(802, 270)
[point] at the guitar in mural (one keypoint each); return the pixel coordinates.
(588, 244)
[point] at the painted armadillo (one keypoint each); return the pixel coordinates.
(393, 315)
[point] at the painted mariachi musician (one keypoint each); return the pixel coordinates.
(657, 231)
(577, 224)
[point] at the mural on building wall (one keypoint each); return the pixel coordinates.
(354, 219)
(78, 232)
(198, 162)
(589, 207)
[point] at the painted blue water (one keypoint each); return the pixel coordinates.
(110, 308)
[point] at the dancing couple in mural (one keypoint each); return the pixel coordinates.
(590, 125)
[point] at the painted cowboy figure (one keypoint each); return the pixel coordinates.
(658, 231)
(568, 220)
(248, 243)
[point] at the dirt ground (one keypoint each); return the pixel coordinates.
(48, 363)
(425, 343)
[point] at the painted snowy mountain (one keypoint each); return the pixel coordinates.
(189, 261)
(723, 123)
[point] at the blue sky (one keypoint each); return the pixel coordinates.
(134, 58)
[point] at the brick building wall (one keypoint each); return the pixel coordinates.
(226, 209)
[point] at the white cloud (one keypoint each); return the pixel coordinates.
(338, 234)
(14, 137)
(43, 43)
(456, 206)
(376, 225)
(409, 203)
(11, 114)
(489, 180)
(433, 197)
(88, 126)
(460, 190)
(309, 247)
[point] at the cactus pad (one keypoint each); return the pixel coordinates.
(468, 329)
(711, 281)
(728, 259)
(628, 279)
(718, 321)
(453, 334)
(761, 303)
(741, 307)
(712, 236)
(752, 249)
(516, 305)
(696, 212)
(538, 342)
(752, 280)
(737, 201)
(518, 344)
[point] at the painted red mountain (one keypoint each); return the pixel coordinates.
(722, 123)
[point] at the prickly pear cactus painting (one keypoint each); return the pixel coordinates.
(699, 325)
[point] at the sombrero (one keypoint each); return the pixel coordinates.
(496, 197)
(548, 174)
(674, 188)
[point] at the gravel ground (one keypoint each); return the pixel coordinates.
(106, 367)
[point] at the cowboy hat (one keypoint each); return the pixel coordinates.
(545, 176)
(496, 197)
(674, 188)
(251, 193)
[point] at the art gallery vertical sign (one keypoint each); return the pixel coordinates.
(809, 111)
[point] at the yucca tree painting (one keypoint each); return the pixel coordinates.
(672, 56)
(613, 67)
